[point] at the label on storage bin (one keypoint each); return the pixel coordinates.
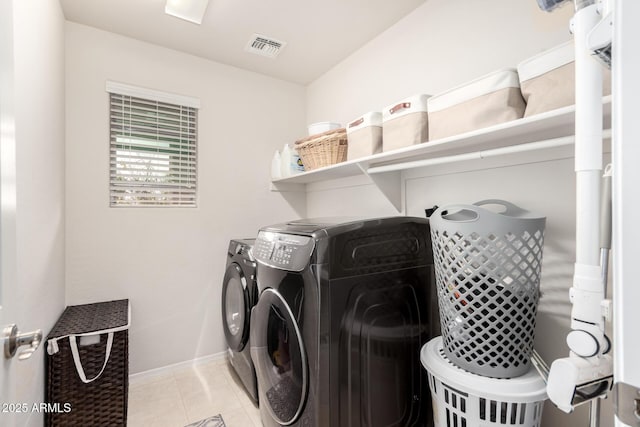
(89, 340)
(296, 163)
(414, 104)
(373, 118)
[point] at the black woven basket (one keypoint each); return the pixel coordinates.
(102, 402)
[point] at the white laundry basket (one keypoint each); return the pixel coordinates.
(488, 267)
(463, 399)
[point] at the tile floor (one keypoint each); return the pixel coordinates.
(184, 395)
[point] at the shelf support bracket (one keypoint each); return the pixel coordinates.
(295, 194)
(282, 187)
(389, 184)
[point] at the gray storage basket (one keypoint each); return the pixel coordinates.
(488, 277)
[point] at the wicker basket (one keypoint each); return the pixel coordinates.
(100, 399)
(323, 149)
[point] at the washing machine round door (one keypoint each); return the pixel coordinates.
(236, 308)
(281, 363)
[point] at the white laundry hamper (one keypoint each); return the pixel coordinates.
(488, 267)
(463, 399)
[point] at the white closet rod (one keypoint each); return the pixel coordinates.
(479, 155)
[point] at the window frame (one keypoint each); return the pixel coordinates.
(144, 148)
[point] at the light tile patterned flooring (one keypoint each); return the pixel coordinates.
(183, 395)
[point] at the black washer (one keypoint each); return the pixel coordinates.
(239, 296)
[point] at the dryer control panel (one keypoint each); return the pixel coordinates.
(284, 251)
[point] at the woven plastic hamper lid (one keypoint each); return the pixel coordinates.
(88, 318)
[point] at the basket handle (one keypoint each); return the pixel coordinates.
(356, 123)
(78, 363)
(510, 208)
(398, 107)
(471, 213)
(450, 213)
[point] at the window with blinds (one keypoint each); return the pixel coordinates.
(152, 152)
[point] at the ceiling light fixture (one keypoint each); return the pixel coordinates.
(189, 10)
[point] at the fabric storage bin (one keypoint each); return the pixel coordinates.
(364, 136)
(489, 100)
(87, 365)
(547, 80)
(405, 123)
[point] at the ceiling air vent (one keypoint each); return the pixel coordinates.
(265, 46)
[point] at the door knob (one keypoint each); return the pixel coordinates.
(13, 339)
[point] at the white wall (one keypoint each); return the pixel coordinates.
(169, 262)
(440, 45)
(36, 298)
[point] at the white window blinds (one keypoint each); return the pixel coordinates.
(152, 152)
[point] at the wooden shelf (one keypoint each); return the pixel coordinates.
(547, 126)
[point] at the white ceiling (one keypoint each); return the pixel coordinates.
(319, 33)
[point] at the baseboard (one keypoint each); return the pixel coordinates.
(176, 366)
